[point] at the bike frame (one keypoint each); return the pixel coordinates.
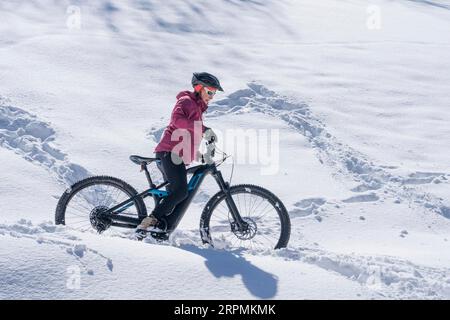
(198, 174)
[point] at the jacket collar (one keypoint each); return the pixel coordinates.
(196, 98)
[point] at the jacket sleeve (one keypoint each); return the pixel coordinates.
(185, 114)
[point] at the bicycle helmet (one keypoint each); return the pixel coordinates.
(205, 79)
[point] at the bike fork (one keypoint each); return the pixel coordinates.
(225, 187)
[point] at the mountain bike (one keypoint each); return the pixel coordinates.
(238, 216)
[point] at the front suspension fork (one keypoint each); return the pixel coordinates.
(225, 187)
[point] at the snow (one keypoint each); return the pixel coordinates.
(362, 119)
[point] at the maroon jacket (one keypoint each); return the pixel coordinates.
(187, 115)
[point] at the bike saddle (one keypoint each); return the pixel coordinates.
(140, 160)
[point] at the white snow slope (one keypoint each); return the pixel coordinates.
(364, 163)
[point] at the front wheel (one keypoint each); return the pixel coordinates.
(268, 223)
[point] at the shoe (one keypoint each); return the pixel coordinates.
(147, 224)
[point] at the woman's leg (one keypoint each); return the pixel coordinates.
(178, 189)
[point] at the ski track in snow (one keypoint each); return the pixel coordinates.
(372, 178)
(388, 277)
(46, 232)
(32, 138)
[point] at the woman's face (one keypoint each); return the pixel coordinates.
(207, 94)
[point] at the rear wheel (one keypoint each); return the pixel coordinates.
(268, 223)
(81, 206)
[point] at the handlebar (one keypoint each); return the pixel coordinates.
(210, 153)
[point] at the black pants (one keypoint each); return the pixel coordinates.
(176, 174)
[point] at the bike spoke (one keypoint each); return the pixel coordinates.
(253, 204)
(236, 243)
(268, 203)
(85, 226)
(251, 244)
(227, 214)
(248, 203)
(83, 213)
(239, 202)
(77, 200)
(249, 206)
(117, 197)
(265, 212)
(107, 198)
(77, 222)
(259, 245)
(264, 236)
(96, 198)
(259, 204)
(220, 228)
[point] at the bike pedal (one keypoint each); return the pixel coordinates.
(156, 230)
(140, 235)
(160, 237)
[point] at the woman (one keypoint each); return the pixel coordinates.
(179, 144)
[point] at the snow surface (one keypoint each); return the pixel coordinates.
(363, 117)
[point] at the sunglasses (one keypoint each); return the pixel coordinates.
(210, 91)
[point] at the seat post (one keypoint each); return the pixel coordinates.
(147, 174)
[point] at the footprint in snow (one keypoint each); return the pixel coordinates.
(33, 139)
(307, 207)
(362, 198)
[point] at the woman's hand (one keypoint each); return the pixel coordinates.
(209, 135)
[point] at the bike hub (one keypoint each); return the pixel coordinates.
(98, 221)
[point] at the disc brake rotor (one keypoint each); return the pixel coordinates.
(248, 232)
